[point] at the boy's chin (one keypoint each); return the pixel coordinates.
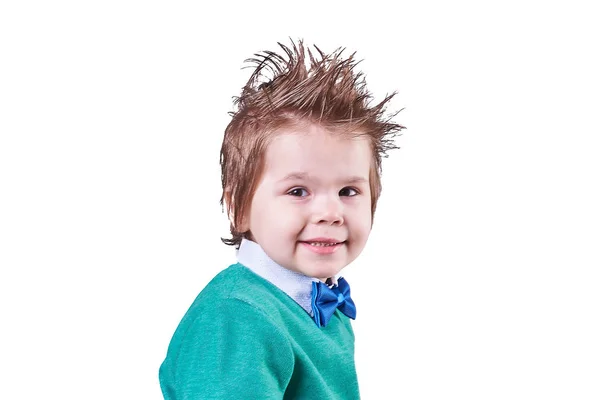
(323, 272)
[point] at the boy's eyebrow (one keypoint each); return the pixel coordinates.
(307, 177)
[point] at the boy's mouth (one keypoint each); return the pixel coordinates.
(323, 247)
(323, 242)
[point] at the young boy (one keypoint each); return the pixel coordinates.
(301, 162)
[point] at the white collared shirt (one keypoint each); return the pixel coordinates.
(296, 285)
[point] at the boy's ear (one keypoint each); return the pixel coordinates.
(229, 205)
(244, 226)
(227, 198)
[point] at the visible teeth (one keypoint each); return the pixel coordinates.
(322, 244)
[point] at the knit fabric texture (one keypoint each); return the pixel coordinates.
(244, 338)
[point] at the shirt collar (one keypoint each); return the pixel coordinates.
(296, 285)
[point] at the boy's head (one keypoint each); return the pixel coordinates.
(301, 160)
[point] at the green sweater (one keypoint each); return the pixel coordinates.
(244, 338)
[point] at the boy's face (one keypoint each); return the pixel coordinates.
(311, 212)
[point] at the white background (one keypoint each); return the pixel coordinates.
(480, 280)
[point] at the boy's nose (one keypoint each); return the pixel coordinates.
(328, 211)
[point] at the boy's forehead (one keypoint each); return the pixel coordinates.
(315, 152)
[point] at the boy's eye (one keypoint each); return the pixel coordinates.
(348, 191)
(300, 192)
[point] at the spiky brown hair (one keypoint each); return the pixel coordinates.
(284, 92)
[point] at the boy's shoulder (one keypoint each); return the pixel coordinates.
(234, 282)
(238, 285)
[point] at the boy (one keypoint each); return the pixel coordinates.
(301, 161)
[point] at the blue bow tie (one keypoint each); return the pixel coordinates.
(326, 300)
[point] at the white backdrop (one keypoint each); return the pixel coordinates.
(480, 280)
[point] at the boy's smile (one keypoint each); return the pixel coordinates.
(323, 245)
(311, 211)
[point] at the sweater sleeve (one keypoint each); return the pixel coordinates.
(232, 351)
